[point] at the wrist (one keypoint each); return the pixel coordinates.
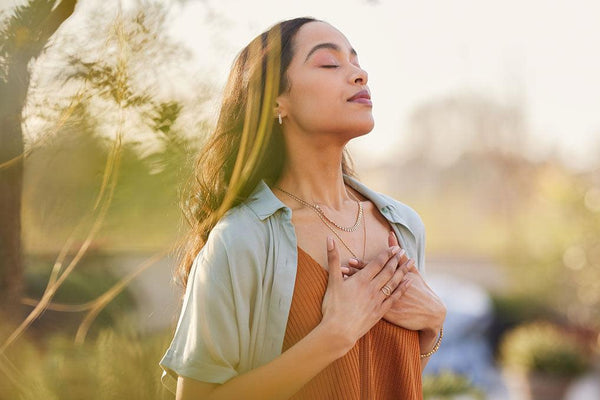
(432, 332)
(337, 343)
(430, 341)
(427, 339)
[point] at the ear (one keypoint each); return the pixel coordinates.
(281, 106)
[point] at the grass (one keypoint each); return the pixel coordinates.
(119, 363)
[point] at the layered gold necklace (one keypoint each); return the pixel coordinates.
(331, 224)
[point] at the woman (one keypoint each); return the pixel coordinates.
(285, 294)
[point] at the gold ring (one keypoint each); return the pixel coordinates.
(386, 290)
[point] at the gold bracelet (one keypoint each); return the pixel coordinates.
(436, 346)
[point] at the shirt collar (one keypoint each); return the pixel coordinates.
(264, 203)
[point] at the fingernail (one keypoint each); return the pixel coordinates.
(329, 243)
(401, 253)
(395, 250)
(353, 261)
(345, 268)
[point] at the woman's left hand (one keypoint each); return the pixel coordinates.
(418, 309)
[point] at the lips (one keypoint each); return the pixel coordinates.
(361, 97)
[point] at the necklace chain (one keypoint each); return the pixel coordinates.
(344, 243)
(325, 220)
(322, 213)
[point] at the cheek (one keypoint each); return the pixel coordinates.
(320, 115)
(315, 113)
(316, 101)
(319, 105)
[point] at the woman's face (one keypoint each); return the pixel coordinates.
(328, 90)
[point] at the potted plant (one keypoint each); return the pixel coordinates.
(449, 385)
(540, 360)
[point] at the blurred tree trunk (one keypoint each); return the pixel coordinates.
(23, 37)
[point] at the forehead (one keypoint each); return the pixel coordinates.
(314, 33)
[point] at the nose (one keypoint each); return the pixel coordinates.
(359, 76)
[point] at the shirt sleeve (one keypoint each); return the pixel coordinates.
(421, 251)
(206, 344)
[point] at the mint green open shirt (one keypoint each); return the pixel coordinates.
(238, 296)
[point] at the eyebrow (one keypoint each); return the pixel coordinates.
(328, 45)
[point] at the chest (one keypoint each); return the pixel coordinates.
(369, 239)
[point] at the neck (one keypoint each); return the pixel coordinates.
(313, 172)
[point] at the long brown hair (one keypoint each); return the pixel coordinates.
(247, 144)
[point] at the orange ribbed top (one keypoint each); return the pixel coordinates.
(384, 364)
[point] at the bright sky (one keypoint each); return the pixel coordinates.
(542, 51)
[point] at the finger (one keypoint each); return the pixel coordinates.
(411, 266)
(352, 271)
(414, 268)
(349, 271)
(399, 276)
(408, 266)
(404, 259)
(387, 272)
(375, 266)
(398, 293)
(356, 263)
(392, 239)
(333, 263)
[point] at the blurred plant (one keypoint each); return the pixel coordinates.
(90, 281)
(541, 347)
(120, 363)
(23, 36)
(512, 309)
(541, 360)
(449, 385)
(109, 74)
(553, 253)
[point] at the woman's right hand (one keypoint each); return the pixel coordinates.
(353, 305)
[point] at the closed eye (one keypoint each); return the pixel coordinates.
(329, 66)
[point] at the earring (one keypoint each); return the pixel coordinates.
(279, 117)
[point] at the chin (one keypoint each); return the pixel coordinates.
(364, 126)
(350, 128)
(358, 130)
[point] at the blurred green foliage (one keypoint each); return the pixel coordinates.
(119, 363)
(448, 385)
(100, 102)
(63, 179)
(538, 221)
(87, 282)
(553, 251)
(512, 309)
(541, 347)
